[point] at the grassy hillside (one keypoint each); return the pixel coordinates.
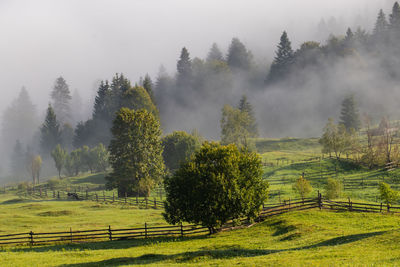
(308, 238)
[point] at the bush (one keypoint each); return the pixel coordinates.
(302, 187)
(387, 194)
(219, 183)
(333, 188)
(23, 186)
(53, 183)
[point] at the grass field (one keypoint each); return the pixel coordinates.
(308, 238)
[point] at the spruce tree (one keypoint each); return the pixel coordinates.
(17, 159)
(214, 54)
(239, 58)
(50, 134)
(395, 18)
(349, 116)
(101, 102)
(245, 106)
(283, 59)
(184, 69)
(148, 85)
(381, 26)
(61, 100)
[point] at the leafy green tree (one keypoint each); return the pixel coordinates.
(76, 161)
(59, 155)
(302, 187)
(387, 194)
(239, 58)
(334, 139)
(214, 54)
(34, 165)
(69, 166)
(333, 188)
(246, 107)
(61, 97)
(184, 68)
(283, 60)
(50, 134)
(220, 183)
(234, 127)
(100, 158)
(349, 116)
(135, 152)
(178, 148)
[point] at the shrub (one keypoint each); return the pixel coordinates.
(333, 188)
(53, 183)
(302, 187)
(387, 194)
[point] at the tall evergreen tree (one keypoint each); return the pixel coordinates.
(101, 102)
(283, 59)
(50, 132)
(381, 25)
(239, 58)
(148, 85)
(61, 97)
(17, 159)
(214, 54)
(395, 18)
(349, 116)
(76, 107)
(184, 68)
(245, 106)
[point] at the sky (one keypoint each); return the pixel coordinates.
(89, 40)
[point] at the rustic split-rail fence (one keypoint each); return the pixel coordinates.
(111, 234)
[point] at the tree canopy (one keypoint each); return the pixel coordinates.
(218, 184)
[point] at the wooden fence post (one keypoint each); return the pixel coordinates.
(146, 202)
(181, 230)
(125, 197)
(155, 203)
(31, 238)
(40, 191)
(145, 230)
(109, 233)
(319, 200)
(289, 203)
(388, 207)
(350, 205)
(87, 195)
(113, 197)
(58, 194)
(54, 194)
(70, 230)
(381, 208)
(97, 197)
(104, 196)
(137, 201)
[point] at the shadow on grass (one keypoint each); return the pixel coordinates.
(103, 245)
(217, 253)
(98, 179)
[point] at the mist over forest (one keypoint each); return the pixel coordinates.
(295, 62)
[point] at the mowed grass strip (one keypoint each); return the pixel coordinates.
(307, 238)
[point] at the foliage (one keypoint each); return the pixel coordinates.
(239, 58)
(214, 54)
(53, 183)
(135, 152)
(246, 107)
(349, 114)
(50, 134)
(178, 148)
(61, 97)
(100, 157)
(17, 159)
(184, 69)
(283, 59)
(234, 127)
(59, 155)
(34, 165)
(333, 188)
(218, 184)
(302, 187)
(335, 139)
(387, 194)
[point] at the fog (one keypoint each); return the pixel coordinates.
(85, 41)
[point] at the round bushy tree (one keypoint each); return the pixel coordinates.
(178, 147)
(219, 183)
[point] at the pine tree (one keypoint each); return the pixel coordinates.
(17, 159)
(184, 68)
(148, 85)
(61, 100)
(101, 102)
(50, 132)
(349, 114)
(349, 39)
(283, 59)
(381, 25)
(395, 18)
(245, 106)
(239, 58)
(214, 54)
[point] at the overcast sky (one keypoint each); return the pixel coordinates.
(88, 40)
